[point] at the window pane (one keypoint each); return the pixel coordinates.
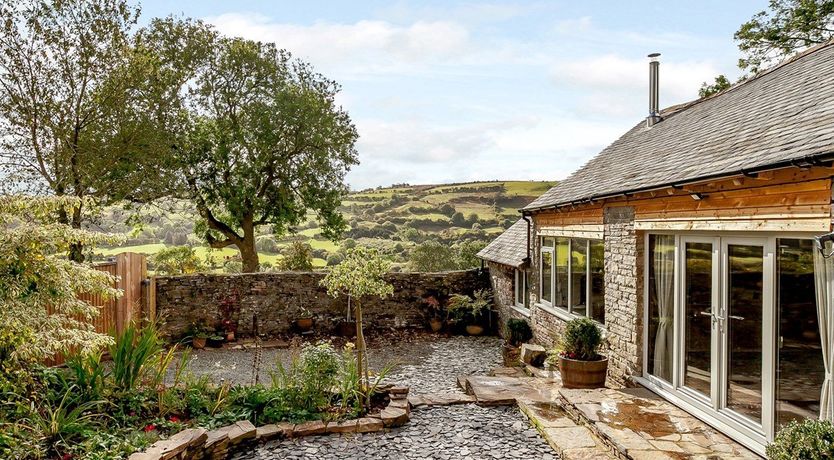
(546, 277)
(579, 277)
(547, 242)
(519, 288)
(800, 371)
(697, 306)
(526, 292)
(562, 248)
(661, 305)
(597, 260)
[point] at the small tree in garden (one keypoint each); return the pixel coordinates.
(39, 287)
(361, 274)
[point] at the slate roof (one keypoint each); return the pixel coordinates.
(782, 115)
(509, 248)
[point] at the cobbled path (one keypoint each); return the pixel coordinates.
(467, 432)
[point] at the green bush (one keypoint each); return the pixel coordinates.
(518, 331)
(469, 310)
(581, 340)
(807, 440)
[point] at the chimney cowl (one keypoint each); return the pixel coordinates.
(654, 90)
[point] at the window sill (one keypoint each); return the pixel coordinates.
(566, 316)
(557, 312)
(520, 309)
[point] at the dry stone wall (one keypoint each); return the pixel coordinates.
(280, 298)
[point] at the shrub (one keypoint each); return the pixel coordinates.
(581, 340)
(807, 440)
(133, 355)
(178, 260)
(518, 331)
(297, 257)
(470, 310)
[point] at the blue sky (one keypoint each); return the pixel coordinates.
(456, 91)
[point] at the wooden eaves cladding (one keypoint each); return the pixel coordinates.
(788, 199)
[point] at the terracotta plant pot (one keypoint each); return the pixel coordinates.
(198, 343)
(583, 374)
(474, 329)
(436, 324)
(304, 324)
(346, 329)
(230, 336)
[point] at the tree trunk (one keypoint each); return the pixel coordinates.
(361, 352)
(249, 255)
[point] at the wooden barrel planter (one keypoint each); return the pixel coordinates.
(583, 374)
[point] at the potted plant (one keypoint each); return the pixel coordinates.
(216, 340)
(230, 327)
(516, 332)
(436, 319)
(347, 327)
(580, 364)
(470, 311)
(199, 334)
(229, 310)
(304, 321)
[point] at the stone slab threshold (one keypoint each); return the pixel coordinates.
(609, 423)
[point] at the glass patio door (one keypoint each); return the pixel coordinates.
(701, 309)
(745, 329)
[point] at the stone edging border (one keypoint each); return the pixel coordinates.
(219, 444)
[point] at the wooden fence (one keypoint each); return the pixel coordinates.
(130, 275)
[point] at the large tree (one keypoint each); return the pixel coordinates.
(788, 26)
(784, 29)
(81, 110)
(267, 144)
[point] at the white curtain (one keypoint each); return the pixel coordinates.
(824, 280)
(663, 259)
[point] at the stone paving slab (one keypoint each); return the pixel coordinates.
(506, 391)
(641, 425)
(570, 440)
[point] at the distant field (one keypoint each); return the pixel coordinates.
(393, 219)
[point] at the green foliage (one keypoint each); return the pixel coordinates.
(60, 425)
(432, 256)
(518, 331)
(303, 388)
(787, 27)
(177, 260)
(721, 83)
(38, 288)
(581, 340)
(470, 310)
(466, 254)
(133, 355)
(267, 144)
(297, 257)
(360, 274)
(88, 373)
(806, 440)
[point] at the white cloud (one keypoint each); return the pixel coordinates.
(679, 80)
(366, 45)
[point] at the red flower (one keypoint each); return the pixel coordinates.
(174, 419)
(66, 457)
(150, 427)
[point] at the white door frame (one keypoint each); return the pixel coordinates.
(749, 433)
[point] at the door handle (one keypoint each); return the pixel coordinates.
(740, 318)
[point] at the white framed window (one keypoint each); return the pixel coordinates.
(572, 276)
(521, 290)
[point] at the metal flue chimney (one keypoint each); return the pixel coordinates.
(654, 90)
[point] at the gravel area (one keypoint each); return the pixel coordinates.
(422, 362)
(428, 364)
(453, 432)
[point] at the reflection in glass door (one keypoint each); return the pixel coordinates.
(699, 316)
(742, 318)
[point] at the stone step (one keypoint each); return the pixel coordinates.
(636, 424)
(570, 440)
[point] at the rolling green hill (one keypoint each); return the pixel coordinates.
(393, 219)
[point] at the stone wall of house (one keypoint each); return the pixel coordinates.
(623, 318)
(502, 279)
(278, 299)
(623, 298)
